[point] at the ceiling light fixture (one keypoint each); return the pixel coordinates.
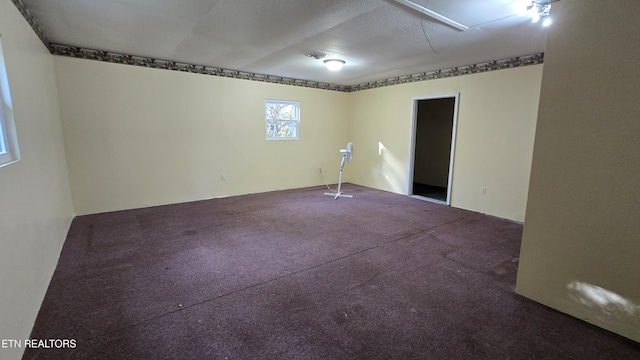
(540, 10)
(334, 64)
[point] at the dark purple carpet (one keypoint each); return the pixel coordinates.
(297, 275)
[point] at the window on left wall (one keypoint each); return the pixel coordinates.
(9, 152)
(282, 119)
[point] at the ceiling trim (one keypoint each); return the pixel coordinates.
(456, 71)
(32, 22)
(112, 57)
(106, 56)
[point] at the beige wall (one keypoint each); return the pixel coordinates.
(581, 245)
(35, 203)
(496, 125)
(138, 137)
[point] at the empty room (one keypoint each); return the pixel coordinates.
(295, 179)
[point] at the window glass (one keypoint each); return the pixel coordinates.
(8, 141)
(282, 119)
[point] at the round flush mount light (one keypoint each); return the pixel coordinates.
(334, 64)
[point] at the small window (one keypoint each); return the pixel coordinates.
(8, 141)
(282, 119)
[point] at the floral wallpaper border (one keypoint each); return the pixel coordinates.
(57, 49)
(32, 22)
(99, 55)
(77, 52)
(457, 71)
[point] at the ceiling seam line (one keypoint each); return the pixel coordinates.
(105, 56)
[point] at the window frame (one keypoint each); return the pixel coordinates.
(268, 121)
(4, 151)
(9, 151)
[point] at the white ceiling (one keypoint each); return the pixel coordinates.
(378, 39)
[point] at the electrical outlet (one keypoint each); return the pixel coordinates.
(223, 177)
(483, 190)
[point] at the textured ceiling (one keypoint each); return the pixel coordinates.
(378, 39)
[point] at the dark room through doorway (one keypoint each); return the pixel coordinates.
(433, 147)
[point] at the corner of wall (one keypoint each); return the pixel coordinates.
(36, 210)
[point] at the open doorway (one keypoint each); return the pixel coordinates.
(433, 144)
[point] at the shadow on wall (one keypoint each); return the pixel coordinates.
(607, 304)
(390, 168)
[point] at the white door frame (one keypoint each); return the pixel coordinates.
(412, 142)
